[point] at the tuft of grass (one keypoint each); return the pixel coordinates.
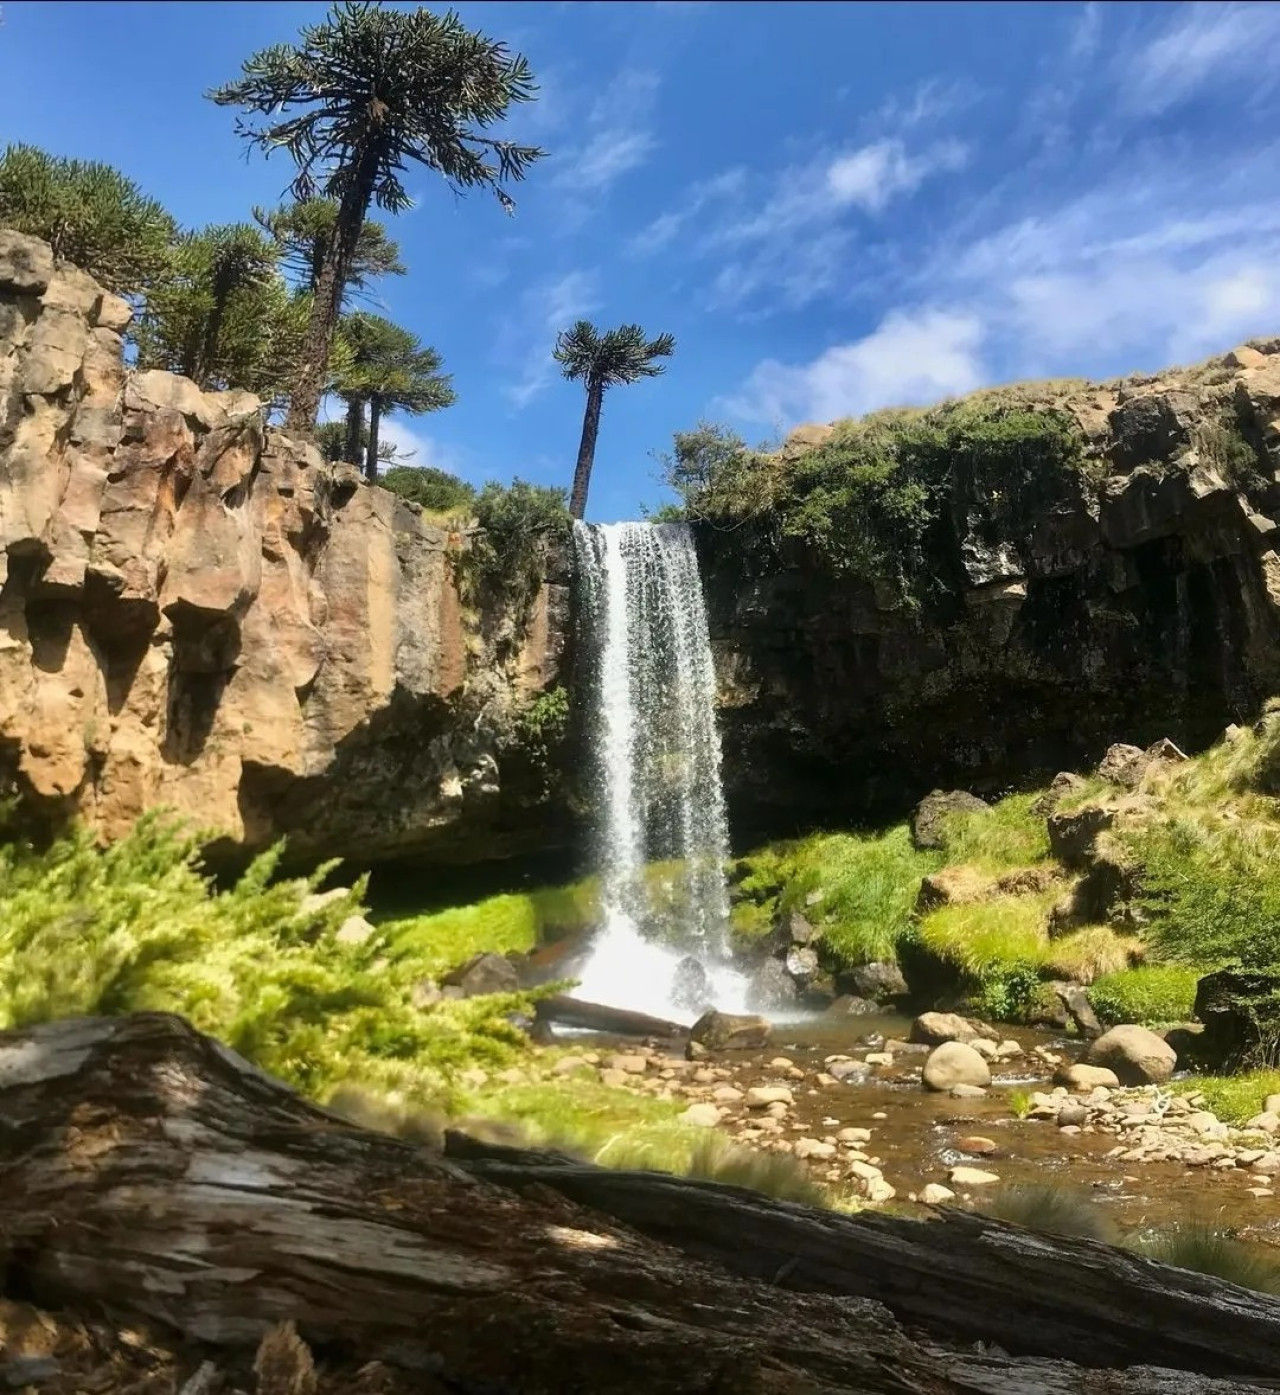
(867, 884)
(985, 937)
(1020, 1103)
(1207, 1250)
(1235, 1099)
(1091, 953)
(774, 1174)
(1050, 1207)
(1151, 995)
(1004, 838)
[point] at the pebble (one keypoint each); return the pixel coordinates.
(879, 1058)
(703, 1116)
(761, 1096)
(1260, 1191)
(566, 1065)
(935, 1194)
(879, 1114)
(978, 1145)
(781, 1063)
(854, 1136)
(814, 1148)
(726, 1094)
(632, 1064)
(614, 1079)
(964, 1092)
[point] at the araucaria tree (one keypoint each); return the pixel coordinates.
(601, 361)
(304, 232)
(355, 101)
(88, 213)
(387, 370)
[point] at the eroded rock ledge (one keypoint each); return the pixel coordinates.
(1135, 599)
(198, 612)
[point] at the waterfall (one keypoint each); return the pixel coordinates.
(663, 836)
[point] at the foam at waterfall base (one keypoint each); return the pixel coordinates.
(624, 970)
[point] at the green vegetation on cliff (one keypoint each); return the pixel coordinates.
(871, 498)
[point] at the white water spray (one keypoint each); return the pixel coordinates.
(661, 947)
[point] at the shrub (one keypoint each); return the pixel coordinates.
(436, 491)
(517, 522)
(1207, 1250)
(1050, 1207)
(1151, 994)
(140, 928)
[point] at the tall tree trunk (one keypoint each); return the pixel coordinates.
(371, 446)
(208, 356)
(355, 429)
(326, 306)
(586, 449)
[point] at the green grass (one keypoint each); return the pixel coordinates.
(1006, 837)
(867, 884)
(1235, 1099)
(1207, 1250)
(518, 921)
(1151, 994)
(982, 937)
(1091, 953)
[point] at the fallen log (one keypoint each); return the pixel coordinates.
(960, 1275)
(596, 1017)
(150, 1175)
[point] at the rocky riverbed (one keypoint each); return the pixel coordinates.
(856, 1112)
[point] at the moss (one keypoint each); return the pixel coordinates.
(1153, 994)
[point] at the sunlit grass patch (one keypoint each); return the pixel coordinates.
(1151, 994)
(1007, 836)
(1091, 952)
(1233, 1098)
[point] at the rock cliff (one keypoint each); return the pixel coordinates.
(1136, 597)
(198, 612)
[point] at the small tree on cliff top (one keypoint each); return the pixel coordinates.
(601, 361)
(88, 213)
(353, 102)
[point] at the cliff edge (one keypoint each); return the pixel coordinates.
(200, 613)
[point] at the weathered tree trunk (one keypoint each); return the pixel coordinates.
(371, 447)
(154, 1176)
(586, 449)
(355, 430)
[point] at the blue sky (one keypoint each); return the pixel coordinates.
(834, 207)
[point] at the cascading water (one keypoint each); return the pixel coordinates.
(661, 947)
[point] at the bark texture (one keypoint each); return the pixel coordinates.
(158, 1186)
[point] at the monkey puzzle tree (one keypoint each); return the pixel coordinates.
(223, 315)
(353, 103)
(88, 213)
(388, 370)
(304, 231)
(601, 361)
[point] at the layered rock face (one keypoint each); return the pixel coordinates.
(1142, 602)
(198, 612)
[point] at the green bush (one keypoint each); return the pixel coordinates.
(140, 928)
(871, 500)
(1150, 995)
(518, 523)
(437, 491)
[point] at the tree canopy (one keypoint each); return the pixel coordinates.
(90, 214)
(353, 102)
(303, 232)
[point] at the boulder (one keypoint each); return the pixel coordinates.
(1072, 836)
(1123, 765)
(952, 1064)
(1064, 783)
(928, 820)
(771, 987)
(1082, 1078)
(802, 963)
(1240, 1009)
(849, 1005)
(725, 1031)
(934, 1028)
(483, 973)
(798, 930)
(881, 981)
(1137, 1055)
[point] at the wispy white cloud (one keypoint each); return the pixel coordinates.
(618, 135)
(543, 311)
(873, 176)
(701, 197)
(1204, 41)
(417, 447)
(911, 357)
